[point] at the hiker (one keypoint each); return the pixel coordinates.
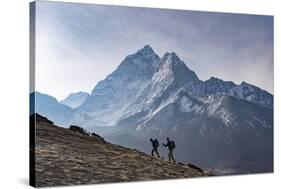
(171, 146)
(155, 145)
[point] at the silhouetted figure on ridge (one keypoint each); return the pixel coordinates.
(171, 146)
(155, 145)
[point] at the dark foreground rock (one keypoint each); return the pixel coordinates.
(64, 157)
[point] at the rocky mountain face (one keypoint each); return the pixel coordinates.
(217, 124)
(111, 97)
(74, 100)
(65, 157)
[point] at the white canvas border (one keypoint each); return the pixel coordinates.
(14, 76)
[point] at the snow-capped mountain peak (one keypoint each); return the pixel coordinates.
(181, 72)
(112, 96)
(216, 85)
(252, 94)
(74, 100)
(172, 59)
(146, 51)
(143, 83)
(143, 57)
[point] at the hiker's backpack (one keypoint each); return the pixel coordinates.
(156, 143)
(172, 144)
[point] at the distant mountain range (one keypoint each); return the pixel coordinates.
(74, 100)
(217, 124)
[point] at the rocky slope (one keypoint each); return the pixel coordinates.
(64, 157)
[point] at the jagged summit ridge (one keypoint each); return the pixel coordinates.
(146, 51)
(142, 58)
(144, 81)
(173, 68)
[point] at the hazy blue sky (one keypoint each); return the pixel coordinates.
(78, 45)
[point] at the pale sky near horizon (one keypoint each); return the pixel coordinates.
(78, 45)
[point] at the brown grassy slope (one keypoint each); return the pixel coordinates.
(64, 157)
